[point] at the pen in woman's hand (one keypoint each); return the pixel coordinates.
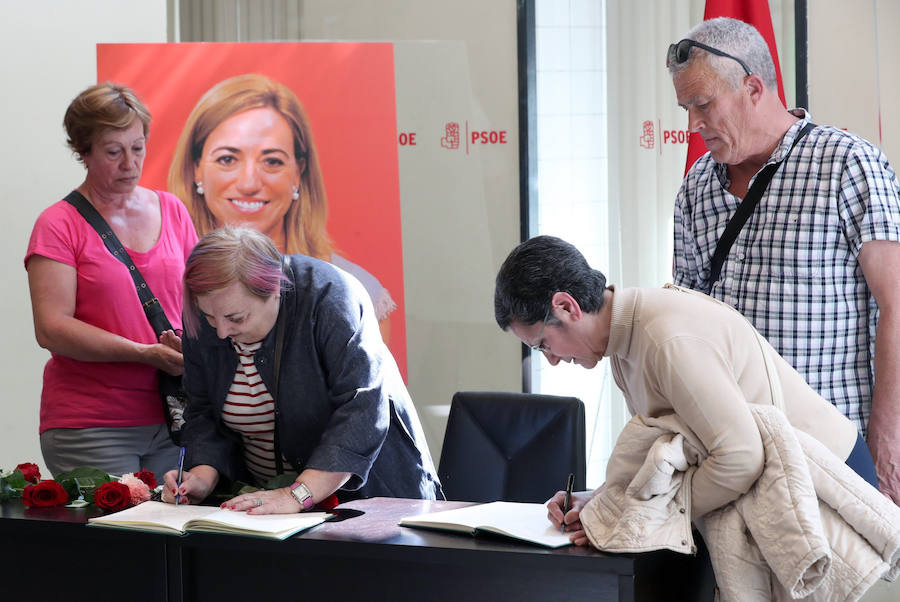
(567, 503)
(180, 474)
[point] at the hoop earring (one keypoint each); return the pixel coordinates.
(296, 194)
(200, 190)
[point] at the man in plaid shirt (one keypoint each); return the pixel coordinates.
(816, 267)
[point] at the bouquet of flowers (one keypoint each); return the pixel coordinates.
(80, 487)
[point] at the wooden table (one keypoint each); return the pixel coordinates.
(50, 553)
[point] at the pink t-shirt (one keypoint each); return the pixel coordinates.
(80, 394)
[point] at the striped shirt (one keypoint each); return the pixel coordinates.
(250, 411)
(793, 270)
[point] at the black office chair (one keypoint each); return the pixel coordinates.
(515, 447)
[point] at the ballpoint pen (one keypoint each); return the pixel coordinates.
(567, 503)
(180, 474)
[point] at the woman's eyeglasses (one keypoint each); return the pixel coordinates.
(679, 53)
(540, 347)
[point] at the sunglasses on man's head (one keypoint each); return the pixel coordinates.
(680, 52)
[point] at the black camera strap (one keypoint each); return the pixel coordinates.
(745, 210)
(156, 315)
(279, 347)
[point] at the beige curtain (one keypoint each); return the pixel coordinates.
(647, 145)
(234, 20)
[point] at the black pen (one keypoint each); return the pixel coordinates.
(180, 474)
(570, 483)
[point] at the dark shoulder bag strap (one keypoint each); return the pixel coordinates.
(745, 210)
(279, 346)
(152, 307)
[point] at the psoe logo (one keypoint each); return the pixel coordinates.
(648, 137)
(450, 139)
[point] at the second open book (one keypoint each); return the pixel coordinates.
(525, 522)
(160, 517)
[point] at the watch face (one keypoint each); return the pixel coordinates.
(302, 493)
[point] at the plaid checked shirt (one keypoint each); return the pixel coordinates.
(793, 270)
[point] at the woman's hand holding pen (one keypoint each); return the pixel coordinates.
(572, 523)
(196, 485)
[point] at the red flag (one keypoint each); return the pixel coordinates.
(756, 13)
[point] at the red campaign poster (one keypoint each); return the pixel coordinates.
(347, 93)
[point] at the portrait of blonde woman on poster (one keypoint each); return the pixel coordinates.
(246, 157)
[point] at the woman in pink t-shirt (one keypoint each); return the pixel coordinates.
(100, 405)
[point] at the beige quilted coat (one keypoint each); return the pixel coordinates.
(809, 527)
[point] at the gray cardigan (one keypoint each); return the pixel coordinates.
(342, 405)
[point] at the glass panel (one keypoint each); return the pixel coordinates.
(456, 84)
(572, 167)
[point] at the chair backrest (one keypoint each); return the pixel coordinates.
(515, 447)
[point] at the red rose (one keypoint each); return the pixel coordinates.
(147, 477)
(44, 495)
(112, 496)
(30, 471)
(328, 503)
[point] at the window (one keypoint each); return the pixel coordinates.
(572, 168)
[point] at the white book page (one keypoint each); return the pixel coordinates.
(524, 521)
(154, 514)
(232, 521)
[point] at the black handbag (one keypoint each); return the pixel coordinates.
(171, 390)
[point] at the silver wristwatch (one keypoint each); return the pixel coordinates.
(303, 495)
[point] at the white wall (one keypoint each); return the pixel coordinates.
(854, 84)
(853, 78)
(887, 18)
(842, 77)
(49, 56)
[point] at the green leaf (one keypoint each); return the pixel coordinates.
(283, 480)
(12, 485)
(246, 489)
(6, 492)
(82, 481)
(16, 480)
(87, 476)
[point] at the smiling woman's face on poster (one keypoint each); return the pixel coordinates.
(246, 157)
(248, 172)
(234, 141)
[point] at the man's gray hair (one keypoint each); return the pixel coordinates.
(737, 39)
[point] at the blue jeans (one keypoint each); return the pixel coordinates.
(860, 460)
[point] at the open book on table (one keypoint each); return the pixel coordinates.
(525, 522)
(160, 517)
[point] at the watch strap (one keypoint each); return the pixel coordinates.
(303, 495)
